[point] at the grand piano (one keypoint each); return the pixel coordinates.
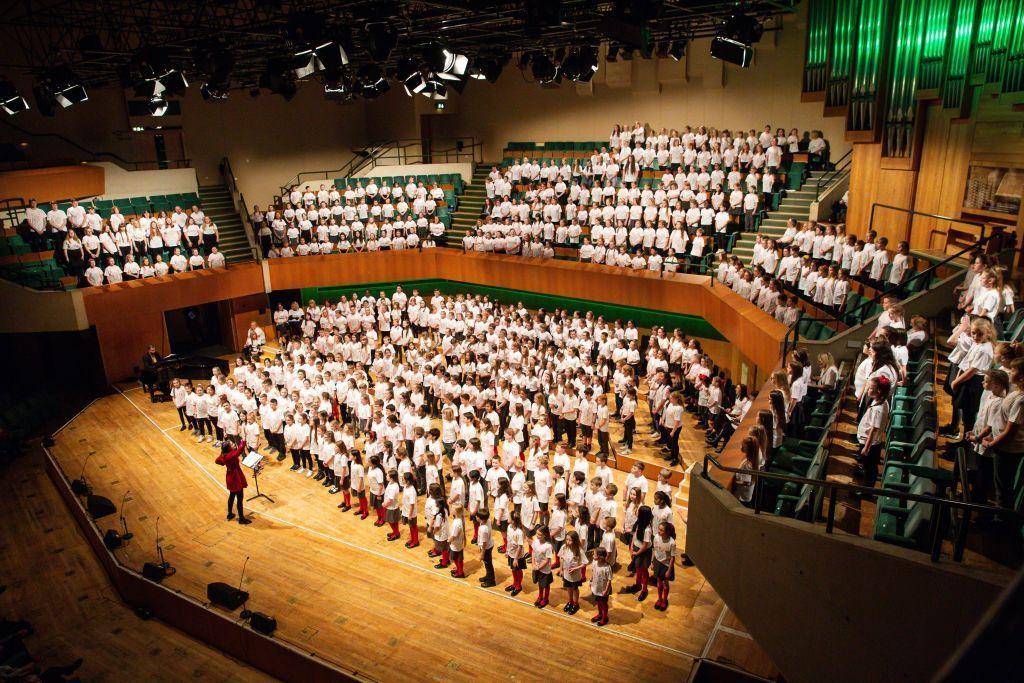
(182, 366)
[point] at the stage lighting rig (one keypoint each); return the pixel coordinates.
(11, 101)
(157, 106)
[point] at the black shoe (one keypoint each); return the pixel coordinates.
(245, 520)
(231, 516)
(949, 430)
(487, 584)
(293, 468)
(280, 457)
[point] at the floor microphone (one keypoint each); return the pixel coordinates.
(125, 534)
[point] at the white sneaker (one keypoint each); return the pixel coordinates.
(309, 473)
(301, 470)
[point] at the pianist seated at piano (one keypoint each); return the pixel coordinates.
(150, 363)
(157, 371)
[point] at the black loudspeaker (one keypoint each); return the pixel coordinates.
(98, 506)
(80, 487)
(112, 539)
(154, 572)
(225, 596)
(731, 51)
(263, 623)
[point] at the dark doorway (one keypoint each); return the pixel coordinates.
(194, 329)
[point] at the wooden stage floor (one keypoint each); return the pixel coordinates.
(339, 590)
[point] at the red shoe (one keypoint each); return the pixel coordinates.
(596, 618)
(603, 622)
(457, 574)
(433, 553)
(411, 545)
(363, 516)
(394, 537)
(442, 565)
(642, 596)
(378, 523)
(502, 549)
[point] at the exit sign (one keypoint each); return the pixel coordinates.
(440, 105)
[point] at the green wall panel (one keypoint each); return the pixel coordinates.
(694, 326)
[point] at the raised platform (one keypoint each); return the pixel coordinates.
(341, 592)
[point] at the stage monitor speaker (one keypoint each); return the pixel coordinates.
(112, 539)
(263, 623)
(225, 596)
(80, 487)
(731, 51)
(154, 572)
(98, 506)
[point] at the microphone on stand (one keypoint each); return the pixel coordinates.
(125, 534)
(79, 486)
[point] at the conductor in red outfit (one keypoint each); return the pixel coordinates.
(230, 457)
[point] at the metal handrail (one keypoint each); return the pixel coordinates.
(114, 158)
(940, 506)
(838, 168)
(243, 212)
(384, 149)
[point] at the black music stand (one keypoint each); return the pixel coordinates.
(254, 461)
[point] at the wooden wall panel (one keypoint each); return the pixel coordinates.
(130, 315)
(946, 153)
(54, 183)
(871, 183)
(756, 335)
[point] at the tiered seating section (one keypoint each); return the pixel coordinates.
(451, 183)
(790, 175)
(910, 465)
(44, 269)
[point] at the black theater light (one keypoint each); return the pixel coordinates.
(11, 101)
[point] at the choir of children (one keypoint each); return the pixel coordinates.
(472, 421)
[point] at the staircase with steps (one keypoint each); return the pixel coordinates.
(796, 204)
(471, 203)
(217, 204)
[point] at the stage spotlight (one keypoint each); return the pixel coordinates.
(581, 64)
(488, 68)
(305, 64)
(11, 100)
(435, 91)
(149, 87)
(174, 82)
(64, 87)
(381, 39)
(731, 51)
(677, 50)
(331, 56)
(543, 68)
(157, 106)
(210, 91)
(448, 65)
(372, 82)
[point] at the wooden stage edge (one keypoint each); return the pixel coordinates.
(219, 630)
(345, 598)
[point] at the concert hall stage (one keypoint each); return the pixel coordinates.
(341, 592)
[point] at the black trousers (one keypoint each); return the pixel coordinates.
(488, 564)
(236, 496)
(672, 441)
(1005, 465)
(629, 426)
(569, 428)
(182, 417)
(602, 442)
